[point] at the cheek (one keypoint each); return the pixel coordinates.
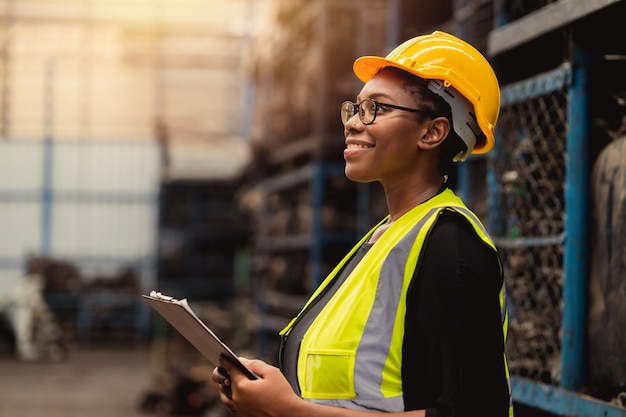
(398, 138)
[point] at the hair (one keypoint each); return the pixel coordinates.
(432, 103)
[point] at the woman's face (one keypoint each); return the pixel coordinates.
(387, 149)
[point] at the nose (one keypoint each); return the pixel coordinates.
(352, 125)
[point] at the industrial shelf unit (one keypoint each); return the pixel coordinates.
(310, 217)
(200, 237)
(309, 213)
(537, 189)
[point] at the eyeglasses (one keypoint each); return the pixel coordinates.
(368, 108)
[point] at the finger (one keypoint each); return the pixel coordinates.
(238, 370)
(229, 368)
(226, 394)
(219, 375)
(257, 366)
(225, 364)
(222, 371)
(226, 377)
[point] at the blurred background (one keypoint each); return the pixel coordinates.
(194, 147)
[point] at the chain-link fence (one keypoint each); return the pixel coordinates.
(527, 217)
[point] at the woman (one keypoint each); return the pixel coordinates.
(412, 321)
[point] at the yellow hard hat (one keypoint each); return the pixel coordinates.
(460, 67)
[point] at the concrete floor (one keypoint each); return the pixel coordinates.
(92, 382)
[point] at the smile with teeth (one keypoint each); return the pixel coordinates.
(359, 146)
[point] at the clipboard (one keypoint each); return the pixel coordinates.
(178, 313)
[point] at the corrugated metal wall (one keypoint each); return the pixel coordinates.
(100, 101)
(91, 202)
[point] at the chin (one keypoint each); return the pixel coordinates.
(356, 176)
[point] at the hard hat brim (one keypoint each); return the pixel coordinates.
(366, 67)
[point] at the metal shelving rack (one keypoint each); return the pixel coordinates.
(538, 190)
(319, 213)
(307, 250)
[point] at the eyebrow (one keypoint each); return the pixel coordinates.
(376, 96)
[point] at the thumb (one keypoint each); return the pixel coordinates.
(231, 368)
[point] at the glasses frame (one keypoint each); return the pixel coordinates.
(377, 106)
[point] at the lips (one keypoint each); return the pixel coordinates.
(354, 149)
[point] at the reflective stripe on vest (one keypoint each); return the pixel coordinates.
(351, 355)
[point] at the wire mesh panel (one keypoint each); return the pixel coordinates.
(527, 219)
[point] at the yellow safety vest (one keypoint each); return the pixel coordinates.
(351, 355)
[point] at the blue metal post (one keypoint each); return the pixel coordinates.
(463, 183)
(576, 207)
(317, 235)
(46, 183)
(363, 209)
(393, 27)
(500, 17)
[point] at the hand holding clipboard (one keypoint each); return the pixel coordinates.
(182, 318)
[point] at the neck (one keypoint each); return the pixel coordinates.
(400, 203)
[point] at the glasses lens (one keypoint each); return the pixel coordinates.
(367, 109)
(347, 111)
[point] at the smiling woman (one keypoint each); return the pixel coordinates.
(391, 328)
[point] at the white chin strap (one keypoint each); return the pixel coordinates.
(463, 117)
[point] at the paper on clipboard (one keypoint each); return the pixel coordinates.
(182, 318)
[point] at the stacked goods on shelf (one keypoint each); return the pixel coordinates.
(301, 65)
(305, 208)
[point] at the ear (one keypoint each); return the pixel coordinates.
(437, 130)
